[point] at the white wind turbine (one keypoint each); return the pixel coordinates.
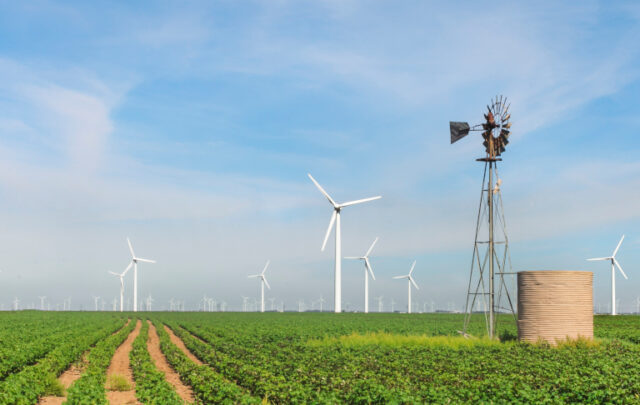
(263, 280)
(121, 276)
(134, 263)
(42, 302)
(367, 270)
(614, 264)
(410, 281)
(335, 218)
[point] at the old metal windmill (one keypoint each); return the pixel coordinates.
(491, 260)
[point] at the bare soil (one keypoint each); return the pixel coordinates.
(66, 379)
(120, 365)
(153, 345)
(69, 377)
(178, 342)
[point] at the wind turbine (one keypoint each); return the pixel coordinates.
(42, 302)
(410, 281)
(380, 303)
(134, 263)
(96, 302)
(335, 218)
(367, 270)
(121, 276)
(321, 301)
(264, 281)
(614, 264)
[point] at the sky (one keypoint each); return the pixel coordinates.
(190, 127)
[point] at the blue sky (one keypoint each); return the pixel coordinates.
(191, 127)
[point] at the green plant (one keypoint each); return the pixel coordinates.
(52, 386)
(117, 382)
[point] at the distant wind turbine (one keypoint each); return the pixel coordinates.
(121, 277)
(367, 271)
(410, 281)
(263, 282)
(335, 218)
(134, 263)
(42, 302)
(96, 302)
(380, 303)
(614, 264)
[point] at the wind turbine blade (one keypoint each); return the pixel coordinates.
(360, 201)
(145, 260)
(368, 266)
(131, 248)
(371, 248)
(617, 247)
(414, 283)
(352, 257)
(322, 190)
(265, 267)
(326, 236)
(412, 267)
(620, 268)
(115, 274)
(401, 277)
(266, 282)
(595, 259)
(254, 275)
(128, 268)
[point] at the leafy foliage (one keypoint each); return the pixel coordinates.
(151, 386)
(89, 388)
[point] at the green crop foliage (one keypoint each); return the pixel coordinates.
(293, 358)
(151, 386)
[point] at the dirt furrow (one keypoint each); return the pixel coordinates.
(70, 376)
(66, 379)
(178, 342)
(120, 367)
(153, 345)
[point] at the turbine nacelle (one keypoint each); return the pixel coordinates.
(336, 208)
(612, 258)
(409, 276)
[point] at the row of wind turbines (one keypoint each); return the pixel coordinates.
(368, 270)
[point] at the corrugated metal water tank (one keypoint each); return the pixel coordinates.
(555, 305)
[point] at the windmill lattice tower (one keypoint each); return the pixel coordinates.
(491, 268)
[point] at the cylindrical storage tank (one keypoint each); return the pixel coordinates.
(555, 305)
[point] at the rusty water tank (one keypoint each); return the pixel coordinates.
(555, 305)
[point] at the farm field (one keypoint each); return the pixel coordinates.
(173, 358)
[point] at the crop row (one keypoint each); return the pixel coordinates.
(208, 386)
(26, 386)
(252, 375)
(151, 385)
(89, 388)
(24, 341)
(277, 347)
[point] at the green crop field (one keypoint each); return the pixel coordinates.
(314, 358)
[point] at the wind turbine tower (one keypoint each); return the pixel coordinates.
(335, 219)
(134, 263)
(410, 281)
(614, 264)
(42, 303)
(263, 282)
(367, 271)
